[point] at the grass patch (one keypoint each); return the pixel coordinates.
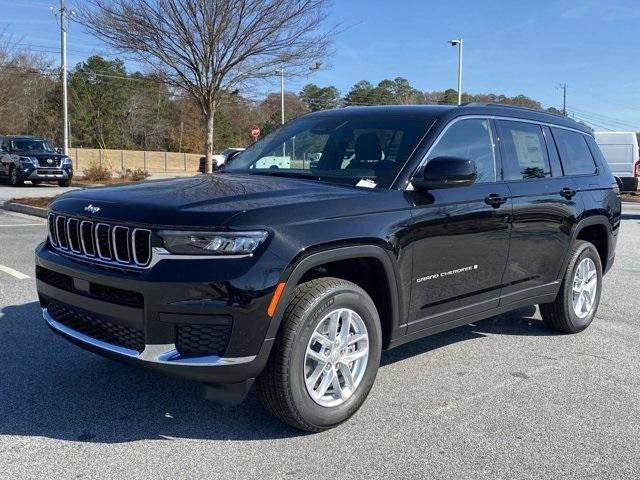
(42, 202)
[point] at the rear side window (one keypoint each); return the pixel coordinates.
(574, 152)
(469, 139)
(525, 152)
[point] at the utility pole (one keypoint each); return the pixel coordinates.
(281, 96)
(281, 72)
(63, 71)
(563, 86)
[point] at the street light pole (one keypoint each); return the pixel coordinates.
(459, 43)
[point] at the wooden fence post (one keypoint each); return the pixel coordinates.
(184, 156)
(144, 159)
(122, 160)
(165, 162)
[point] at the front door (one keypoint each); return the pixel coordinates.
(460, 234)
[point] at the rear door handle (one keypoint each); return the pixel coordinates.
(567, 192)
(495, 200)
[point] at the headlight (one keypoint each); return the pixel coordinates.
(65, 161)
(27, 161)
(211, 243)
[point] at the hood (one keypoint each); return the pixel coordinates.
(199, 201)
(40, 155)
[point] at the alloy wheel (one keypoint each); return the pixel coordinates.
(336, 357)
(585, 285)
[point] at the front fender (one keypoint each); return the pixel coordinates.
(298, 268)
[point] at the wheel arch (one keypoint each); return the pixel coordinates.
(595, 229)
(300, 270)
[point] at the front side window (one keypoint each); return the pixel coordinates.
(574, 152)
(524, 149)
(469, 139)
(350, 148)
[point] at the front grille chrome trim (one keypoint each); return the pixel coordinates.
(154, 354)
(51, 226)
(114, 244)
(137, 260)
(91, 236)
(68, 231)
(62, 228)
(97, 239)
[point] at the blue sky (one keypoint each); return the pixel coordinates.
(511, 47)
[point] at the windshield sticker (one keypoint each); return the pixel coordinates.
(366, 183)
(457, 271)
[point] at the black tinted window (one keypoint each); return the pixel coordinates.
(525, 153)
(574, 152)
(471, 140)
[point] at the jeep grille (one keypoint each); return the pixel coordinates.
(99, 241)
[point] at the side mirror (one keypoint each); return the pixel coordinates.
(446, 172)
(58, 150)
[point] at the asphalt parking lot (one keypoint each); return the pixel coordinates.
(503, 398)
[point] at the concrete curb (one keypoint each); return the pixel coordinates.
(26, 209)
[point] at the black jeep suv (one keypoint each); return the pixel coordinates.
(415, 219)
(32, 158)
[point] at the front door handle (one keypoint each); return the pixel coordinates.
(495, 200)
(567, 192)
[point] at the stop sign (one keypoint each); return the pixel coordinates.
(255, 132)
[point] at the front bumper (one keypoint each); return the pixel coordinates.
(170, 301)
(44, 174)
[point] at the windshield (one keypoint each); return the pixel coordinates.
(354, 150)
(29, 145)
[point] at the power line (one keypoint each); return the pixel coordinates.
(606, 119)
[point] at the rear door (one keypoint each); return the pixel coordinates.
(545, 205)
(460, 235)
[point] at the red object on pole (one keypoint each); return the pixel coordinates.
(255, 133)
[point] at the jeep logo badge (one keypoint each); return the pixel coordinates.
(91, 209)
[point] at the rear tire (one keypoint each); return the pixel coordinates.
(14, 179)
(291, 386)
(577, 301)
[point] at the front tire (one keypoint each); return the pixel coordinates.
(64, 183)
(14, 178)
(575, 306)
(326, 356)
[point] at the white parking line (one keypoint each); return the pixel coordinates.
(19, 215)
(15, 273)
(24, 225)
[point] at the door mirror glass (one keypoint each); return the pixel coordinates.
(446, 172)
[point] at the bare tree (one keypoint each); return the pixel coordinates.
(24, 85)
(209, 47)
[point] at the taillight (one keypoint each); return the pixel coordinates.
(636, 169)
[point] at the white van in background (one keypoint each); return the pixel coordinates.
(622, 154)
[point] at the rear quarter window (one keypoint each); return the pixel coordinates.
(574, 152)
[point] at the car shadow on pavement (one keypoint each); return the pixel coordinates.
(52, 389)
(520, 322)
